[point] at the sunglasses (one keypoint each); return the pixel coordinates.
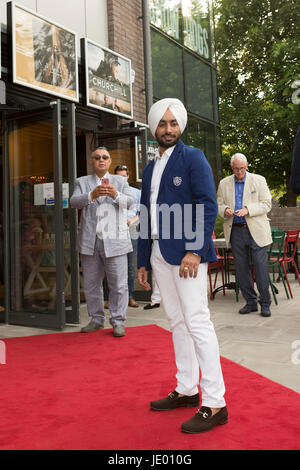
(101, 157)
(121, 167)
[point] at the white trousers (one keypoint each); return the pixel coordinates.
(195, 342)
(155, 296)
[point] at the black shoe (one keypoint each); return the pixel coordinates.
(149, 306)
(174, 401)
(248, 309)
(265, 312)
(204, 421)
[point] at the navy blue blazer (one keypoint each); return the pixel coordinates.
(187, 182)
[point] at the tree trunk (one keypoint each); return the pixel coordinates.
(290, 195)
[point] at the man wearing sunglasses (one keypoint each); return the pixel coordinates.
(103, 240)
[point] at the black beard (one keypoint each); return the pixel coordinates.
(167, 145)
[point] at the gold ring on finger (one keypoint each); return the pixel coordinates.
(186, 268)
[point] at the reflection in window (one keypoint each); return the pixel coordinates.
(188, 21)
(196, 26)
(167, 70)
(164, 14)
(202, 135)
(198, 88)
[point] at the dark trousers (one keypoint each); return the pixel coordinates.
(242, 244)
(131, 259)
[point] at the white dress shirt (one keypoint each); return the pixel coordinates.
(159, 166)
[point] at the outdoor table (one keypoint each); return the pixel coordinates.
(225, 251)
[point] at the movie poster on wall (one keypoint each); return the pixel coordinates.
(44, 54)
(108, 79)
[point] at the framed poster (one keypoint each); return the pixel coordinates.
(44, 54)
(151, 146)
(108, 80)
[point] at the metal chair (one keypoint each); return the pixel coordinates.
(288, 256)
(275, 253)
(218, 266)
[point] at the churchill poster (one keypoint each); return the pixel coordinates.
(44, 54)
(108, 78)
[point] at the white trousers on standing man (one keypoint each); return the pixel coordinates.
(195, 343)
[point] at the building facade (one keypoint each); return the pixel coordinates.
(73, 78)
(183, 66)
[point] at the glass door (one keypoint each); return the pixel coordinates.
(2, 309)
(37, 241)
(123, 145)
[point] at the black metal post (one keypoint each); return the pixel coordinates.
(74, 258)
(58, 214)
(147, 55)
(6, 245)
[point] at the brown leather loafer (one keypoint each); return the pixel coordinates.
(174, 401)
(204, 421)
(133, 303)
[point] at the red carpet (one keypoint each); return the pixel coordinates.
(92, 391)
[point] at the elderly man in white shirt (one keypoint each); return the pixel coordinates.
(103, 240)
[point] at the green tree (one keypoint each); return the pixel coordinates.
(258, 53)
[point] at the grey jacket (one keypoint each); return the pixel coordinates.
(112, 215)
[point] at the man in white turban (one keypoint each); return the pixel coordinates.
(160, 107)
(178, 213)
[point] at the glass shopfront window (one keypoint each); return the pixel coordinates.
(183, 68)
(187, 21)
(165, 15)
(202, 135)
(31, 221)
(198, 87)
(196, 26)
(167, 67)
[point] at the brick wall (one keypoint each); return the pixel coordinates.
(285, 218)
(125, 36)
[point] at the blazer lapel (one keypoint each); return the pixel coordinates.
(148, 181)
(232, 191)
(247, 189)
(92, 181)
(172, 161)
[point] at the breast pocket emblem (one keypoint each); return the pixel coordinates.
(177, 180)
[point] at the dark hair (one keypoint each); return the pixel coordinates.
(121, 168)
(100, 148)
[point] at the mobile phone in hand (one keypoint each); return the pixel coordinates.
(105, 181)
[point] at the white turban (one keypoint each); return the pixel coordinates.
(159, 108)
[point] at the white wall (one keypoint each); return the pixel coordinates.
(88, 18)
